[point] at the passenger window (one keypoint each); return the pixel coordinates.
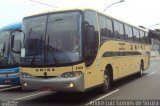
(136, 35)
(147, 37)
(102, 26)
(128, 33)
(118, 30)
(109, 28)
(142, 37)
(106, 28)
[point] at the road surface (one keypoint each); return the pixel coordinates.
(132, 88)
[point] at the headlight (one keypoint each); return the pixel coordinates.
(25, 75)
(71, 74)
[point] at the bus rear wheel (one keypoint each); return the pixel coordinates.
(106, 82)
(140, 74)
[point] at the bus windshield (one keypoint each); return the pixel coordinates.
(52, 39)
(7, 58)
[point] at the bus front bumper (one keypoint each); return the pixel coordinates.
(74, 84)
(10, 80)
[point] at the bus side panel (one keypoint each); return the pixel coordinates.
(94, 74)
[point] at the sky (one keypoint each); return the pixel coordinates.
(137, 12)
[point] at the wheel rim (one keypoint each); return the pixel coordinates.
(106, 82)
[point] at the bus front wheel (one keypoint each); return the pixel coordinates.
(106, 82)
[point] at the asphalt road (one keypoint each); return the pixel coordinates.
(132, 88)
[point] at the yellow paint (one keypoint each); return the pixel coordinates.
(93, 75)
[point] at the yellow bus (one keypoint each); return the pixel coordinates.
(79, 49)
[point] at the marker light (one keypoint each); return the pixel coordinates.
(25, 75)
(25, 84)
(71, 85)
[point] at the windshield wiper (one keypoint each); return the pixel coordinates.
(38, 44)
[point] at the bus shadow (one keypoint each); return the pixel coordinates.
(127, 80)
(66, 98)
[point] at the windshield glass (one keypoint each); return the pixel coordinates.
(52, 40)
(7, 57)
(34, 43)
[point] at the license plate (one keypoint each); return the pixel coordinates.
(7, 81)
(47, 89)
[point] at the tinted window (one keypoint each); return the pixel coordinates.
(91, 36)
(91, 19)
(109, 28)
(146, 37)
(106, 28)
(136, 34)
(34, 28)
(102, 26)
(142, 37)
(118, 30)
(128, 32)
(64, 38)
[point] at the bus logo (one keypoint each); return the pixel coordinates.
(122, 46)
(44, 69)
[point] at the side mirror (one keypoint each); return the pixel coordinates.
(16, 41)
(90, 32)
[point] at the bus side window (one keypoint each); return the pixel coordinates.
(136, 35)
(109, 28)
(128, 33)
(142, 37)
(146, 38)
(102, 26)
(106, 27)
(119, 30)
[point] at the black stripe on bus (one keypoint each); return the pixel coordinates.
(112, 54)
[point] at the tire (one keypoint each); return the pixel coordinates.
(140, 74)
(106, 82)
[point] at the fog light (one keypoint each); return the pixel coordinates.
(71, 85)
(25, 84)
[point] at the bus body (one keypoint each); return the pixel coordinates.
(75, 50)
(9, 61)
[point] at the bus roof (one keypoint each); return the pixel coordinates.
(83, 9)
(12, 26)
